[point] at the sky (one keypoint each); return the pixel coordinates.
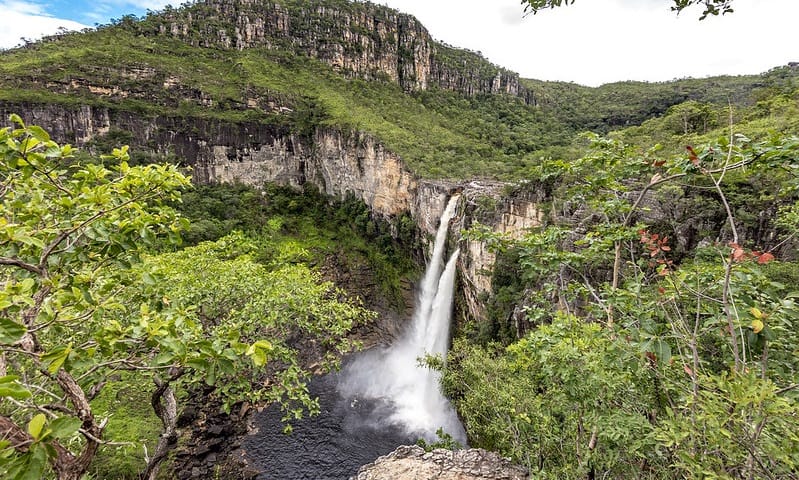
(590, 42)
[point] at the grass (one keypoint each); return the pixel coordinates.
(131, 423)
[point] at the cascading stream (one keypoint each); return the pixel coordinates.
(382, 398)
(393, 374)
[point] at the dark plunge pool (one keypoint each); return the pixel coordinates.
(347, 434)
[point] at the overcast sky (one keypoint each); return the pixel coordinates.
(590, 42)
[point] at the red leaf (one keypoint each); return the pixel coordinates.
(765, 258)
(692, 155)
(666, 248)
(738, 253)
(688, 370)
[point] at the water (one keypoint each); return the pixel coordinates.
(329, 446)
(393, 373)
(381, 399)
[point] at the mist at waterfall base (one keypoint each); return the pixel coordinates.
(381, 399)
(415, 401)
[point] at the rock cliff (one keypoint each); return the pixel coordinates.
(339, 163)
(413, 463)
(358, 39)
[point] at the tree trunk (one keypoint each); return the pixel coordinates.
(165, 406)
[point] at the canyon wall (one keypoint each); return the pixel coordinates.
(357, 39)
(338, 163)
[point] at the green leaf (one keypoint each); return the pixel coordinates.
(52, 152)
(663, 351)
(210, 377)
(258, 351)
(14, 118)
(65, 427)
(87, 296)
(148, 279)
(38, 133)
(37, 461)
(259, 358)
(36, 425)
(198, 363)
(56, 358)
(10, 331)
(28, 240)
(10, 387)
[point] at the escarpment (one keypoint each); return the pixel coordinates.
(337, 162)
(359, 39)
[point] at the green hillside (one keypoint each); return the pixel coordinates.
(130, 66)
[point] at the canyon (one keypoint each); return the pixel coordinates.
(338, 163)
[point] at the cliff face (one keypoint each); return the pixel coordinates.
(359, 39)
(337, 163)
(511, 216)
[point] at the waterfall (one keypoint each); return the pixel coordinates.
(414, 398)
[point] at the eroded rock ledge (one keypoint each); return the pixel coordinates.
(413, 463)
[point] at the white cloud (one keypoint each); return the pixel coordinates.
(29, 8)
(600, 41)
(28, 20)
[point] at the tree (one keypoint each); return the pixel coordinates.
(63, 225)
(712, 7)
(612, 291)
(81, 302)
(690, 117)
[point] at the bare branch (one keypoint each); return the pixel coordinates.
(15, 262)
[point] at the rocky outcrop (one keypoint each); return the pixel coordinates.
(413, 463)
(210, 441)
(510, 215)
(359, 39)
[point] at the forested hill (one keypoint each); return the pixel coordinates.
(297, 65)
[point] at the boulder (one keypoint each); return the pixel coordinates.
(414, 463)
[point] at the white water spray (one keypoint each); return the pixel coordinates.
(394, 374)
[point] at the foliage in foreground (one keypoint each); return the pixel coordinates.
(665, 358)
(79, 306)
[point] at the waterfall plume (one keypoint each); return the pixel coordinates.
(411, 391)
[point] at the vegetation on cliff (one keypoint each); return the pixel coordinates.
(641, 343)
(457, 126)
